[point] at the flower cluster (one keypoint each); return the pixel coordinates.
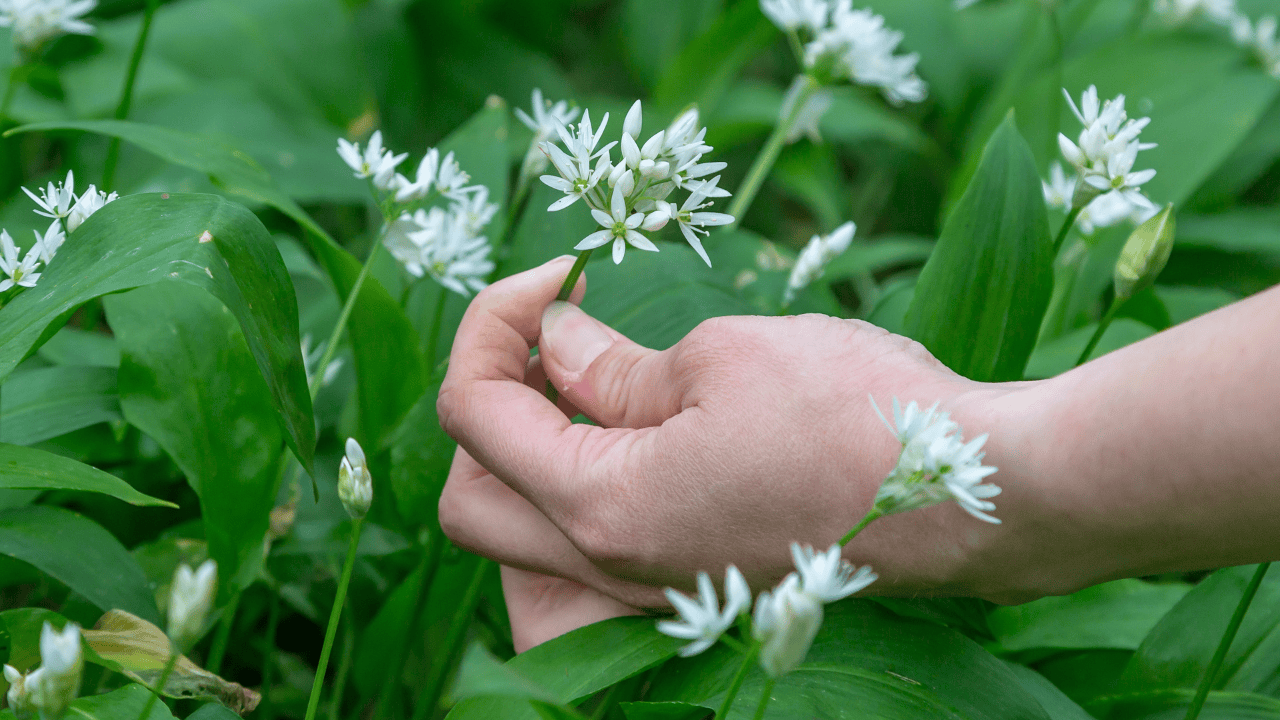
(50, 688)
(355, 484)
(785, 620)
(60, 203)
(814, 257)
(632, 196)
(935, 465)
(1260, 37)
(443, 242)
(36, 21)
(842, 43)
(546, 118)
(190, 597)
(1103, 155)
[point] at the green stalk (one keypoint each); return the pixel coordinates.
(219, 647)
(160, 683)
(1066, 228)
(1102, 329)
(433, 337)
(871, 515)
(765, 697)
(566, 289)
(16, 76)
(430, 694)
(430, 564)
(343, 317)
(269, 656)
(344, 664)
(335, 617)
(1219, 655)
(738, 678)
(768, 156)
(126, 93)
(606, 702)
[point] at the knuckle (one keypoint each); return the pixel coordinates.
(449, 404)
(452, 511)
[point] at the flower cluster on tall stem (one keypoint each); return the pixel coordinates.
(68, 211)
(813, 259)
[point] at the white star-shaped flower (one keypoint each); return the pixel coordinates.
(828, 576)
(619, 228)
(702, 620)
(56, 201)
(20, 273)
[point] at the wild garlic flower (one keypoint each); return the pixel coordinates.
(190, 598)
(1103, 211)
(807, 120)
(631, 198)
(22, 273)
(1106, 149)
(90, 202)
(1177, 12)
(813, 259)
(828, 576)
(375, 162)
(311, 357)
(934, 465)
(1260, 38)
(19, 698)
(547, 116)
(50, 688)
(355, 484)
(444, 177)
(702, 620)
(785, 623)
(847, 44)
(36, 21)
(56, 201)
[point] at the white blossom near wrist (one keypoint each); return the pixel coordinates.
(785, 622)
(702, 620)
(813, 259)
(1106, 150)
(190, 598)
(934, 465)
(375, 162)
(355, 484)
(827, 575)
(36, 21)
(631, 198)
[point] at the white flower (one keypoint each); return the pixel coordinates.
(355, 485)
(814, 257)
(857, 45)
(785, 622)
(474, 209)
(20, 273)
(1108, 145)
(576, 177)
(1121, 178)
(1105, 211)
(50, 241)
(620, 228)
(690, 217)
(702, 620)
(89, 203)
(424, 180)
(56, 683)
(806, 121)
(810, 15)
(1260, 38)
(56, 201)
(376, 162)
(311, 357)
(401, 237)
(935, 465)
(454, 256)
(1176, 12)
(828, 576)
(18, 696)
(546, 116)
(451, 180)
(1060, 188)
(190, 597)
(35, 21)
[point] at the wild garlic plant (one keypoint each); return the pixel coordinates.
(47, 691)
(35, 22)
(68, 211)
(935, 465)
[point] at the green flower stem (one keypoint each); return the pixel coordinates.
(335, 617)
(765, 697)
(430, 694)
(126, 93)
(871, 515)
(768, 155)
(17, 75)
(738, 678)
(433, 336)
(566, 289)
(430, 563)
(1102, 329)
(332, 347)
(265, 709)
(344, 664)
(219, 647)
(160, 683)
(1066, 228)
(1219, 655)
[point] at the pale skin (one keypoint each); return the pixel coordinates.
(753, 432)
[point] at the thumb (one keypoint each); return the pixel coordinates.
(610, 379)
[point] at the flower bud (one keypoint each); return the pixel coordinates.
(1084, 194)
(785, 623)
(190, 597)
(53, 686)
(631, 125)
(1145, 254)
(19, 699)
(355, 485)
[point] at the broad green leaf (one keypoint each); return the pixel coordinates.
(482, 675)
(382, 336)
(5, 641)
(71, 346)
(132, 646)
(23, 627)
(31, 469)
(80, 554)
(577, 664)
(865, 662)
(421, 454)
(708, 65)
(1112, 615)
(47, 402)
(995, 253)
(1185, 303)
(1085, 675)
(1244, 230)
(655, 31)
(213, 711)
(1058, 356)
(202, 240)
(878, 254)
(185, 370)
(123, 704)
(664, 711)
(1057, 705)
(1173, 704)
(541, 236)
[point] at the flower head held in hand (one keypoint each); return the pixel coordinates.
(811, 262)
(355, 484)
(632, 198)
(828, 576)
(702, 620)
(190, 597)
(784, 623)
(935, 465)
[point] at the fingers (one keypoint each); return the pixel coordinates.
(542, 607)
(614, 381)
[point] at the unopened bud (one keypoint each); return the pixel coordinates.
(1084, 194)
(631, 125)
(1145, 254)
(190, 597)
(785, 623)
(355, 485)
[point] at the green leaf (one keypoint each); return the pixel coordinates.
(421, 454)
(999, 229)
(213, 711)
(23, 468)
(1058, 356)
(80, 554)
(47, 402)
(878, 254)
(664, 711)
(1057, 705)
(70, 346)
(143, 239)
(24, 626)
(185, 369)
(123, 704)
(1111, 615)
(577, 664)
(1243, 230)
(482, 675)
(702, 73)
(655, 31)
(1173, 704)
